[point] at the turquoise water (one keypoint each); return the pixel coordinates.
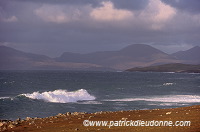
(47, 93)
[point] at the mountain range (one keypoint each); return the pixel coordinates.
(136, 55)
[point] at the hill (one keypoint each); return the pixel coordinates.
(175, 67)
(12, 59)
(136, 55)
(189, 56)
(130, 56)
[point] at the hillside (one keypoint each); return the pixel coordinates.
(189, 56)
(11, 59)
(175, 67)
(130, 56)
(137, 55)
(14, 59)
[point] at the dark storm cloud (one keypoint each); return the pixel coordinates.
(68, 2)
(192, 6)
(130, 4)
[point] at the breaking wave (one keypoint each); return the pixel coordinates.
(61, 96)
(4, 97)
(166, 98)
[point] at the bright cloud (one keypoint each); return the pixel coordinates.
(107, 13)
(164, 12)
(157, 13)
(57, 14)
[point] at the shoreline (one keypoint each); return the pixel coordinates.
(70, 122)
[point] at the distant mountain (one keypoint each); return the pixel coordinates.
(189, 56)
(131, 56)
(11, 59)
(14, 59)
(137, 55)
(175, 67)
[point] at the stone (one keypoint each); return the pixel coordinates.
(1, 124)
(11, 126)
(68, 113)
(59, 114)
(90, 117)
(76, 113)
(168, 113)
(28, 118)
(124, 118)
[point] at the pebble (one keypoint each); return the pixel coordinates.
(124, 118)
(4, 128)
(90, 117)
(1, 124)
(59, 114)
(168, 113)
(76, 113)
(28, 118)
(68, 113)
(11, 126)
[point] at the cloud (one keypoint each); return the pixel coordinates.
(57, 13)
(191, 6)
(5, 16)
(196, 19)
(163, 12)
(93, 3)
(108, 13)
(132, 5)
(54, 26)
(10, 19)
(154, 16)
(157, 14)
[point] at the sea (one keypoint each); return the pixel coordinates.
(47, 93)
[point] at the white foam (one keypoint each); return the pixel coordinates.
(166, 98)
(169, 72)
(61, 96)
(90, 102)
(168, 104)
(167, 84)
(5, 97)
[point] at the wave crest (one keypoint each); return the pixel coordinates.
(166, 98)
(61, 96)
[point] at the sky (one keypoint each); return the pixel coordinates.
(51, 27)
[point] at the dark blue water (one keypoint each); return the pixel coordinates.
(112, 91)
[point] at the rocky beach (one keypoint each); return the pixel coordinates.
(70, 122)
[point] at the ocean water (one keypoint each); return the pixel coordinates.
(47, 93)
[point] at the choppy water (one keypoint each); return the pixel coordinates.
(47, 93)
